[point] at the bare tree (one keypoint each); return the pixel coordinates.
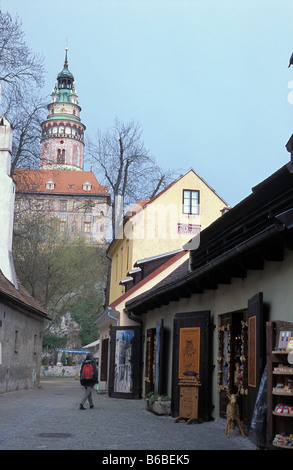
(122, 161)
(21, 81)
(18, 63)
(26, 113)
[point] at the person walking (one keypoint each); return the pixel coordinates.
(88, 378)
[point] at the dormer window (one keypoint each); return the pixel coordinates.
(86, 186)
(50, 184)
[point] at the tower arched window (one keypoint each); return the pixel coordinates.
(61, 156)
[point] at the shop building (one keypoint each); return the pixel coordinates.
(214, 310)
(151, 237)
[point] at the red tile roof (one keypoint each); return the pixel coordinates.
(65, 181)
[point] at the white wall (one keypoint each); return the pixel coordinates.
(7, 195)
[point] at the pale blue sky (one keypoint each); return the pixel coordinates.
(206, 79)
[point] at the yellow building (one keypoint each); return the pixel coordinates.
(161, 225)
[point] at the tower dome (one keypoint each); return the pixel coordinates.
(65, 78)
(62, 143)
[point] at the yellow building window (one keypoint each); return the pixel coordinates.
(190, 201)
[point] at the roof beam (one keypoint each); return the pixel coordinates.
(254, 261)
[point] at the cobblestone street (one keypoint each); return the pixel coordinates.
(49, 419)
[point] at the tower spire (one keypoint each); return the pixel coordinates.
(66, 61)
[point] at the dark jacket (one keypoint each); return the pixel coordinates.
(89, 383)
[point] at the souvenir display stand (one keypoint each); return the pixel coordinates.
(188, 404)
(279, 385)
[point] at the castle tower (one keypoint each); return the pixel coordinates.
(62, 143)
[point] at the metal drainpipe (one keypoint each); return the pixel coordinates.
(111, 316)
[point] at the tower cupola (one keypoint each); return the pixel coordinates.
(65, 78)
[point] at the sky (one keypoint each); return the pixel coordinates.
(207, 80)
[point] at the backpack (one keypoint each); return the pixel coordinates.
(88, 372)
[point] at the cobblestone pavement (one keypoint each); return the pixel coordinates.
(49, 418)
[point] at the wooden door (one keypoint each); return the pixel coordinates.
(232, 364)
(191, 352)
(256, 350)
(150, 361)
(154, 360)
(104, 360)
(159, 359)
(125, 362)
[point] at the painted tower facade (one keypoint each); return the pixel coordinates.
(62, 143)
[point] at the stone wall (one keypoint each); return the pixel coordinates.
(60, 371)
(21, 346)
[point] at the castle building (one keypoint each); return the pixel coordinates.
(60, 186)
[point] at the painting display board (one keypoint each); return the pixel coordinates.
(125, 366)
